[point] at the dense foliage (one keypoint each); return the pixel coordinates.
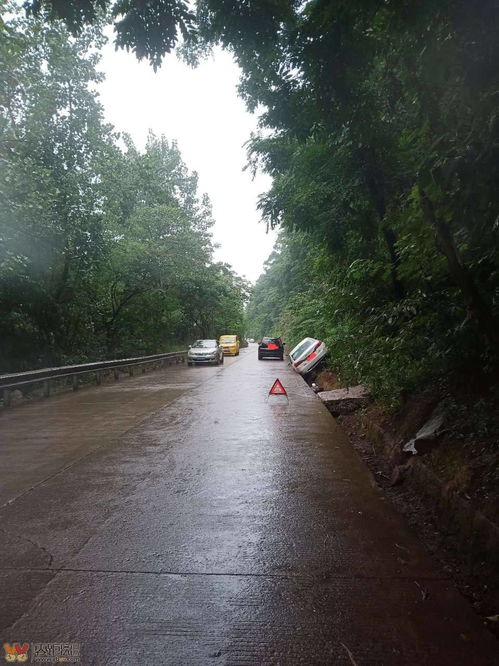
(104, 250)
(382, 137)
(385, 153)
(380, 130)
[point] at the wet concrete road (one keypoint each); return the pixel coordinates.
(180, 517)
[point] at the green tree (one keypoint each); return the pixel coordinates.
(52, 142)
(105, 250)
(379, 129)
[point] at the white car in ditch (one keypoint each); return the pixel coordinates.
(307, 355)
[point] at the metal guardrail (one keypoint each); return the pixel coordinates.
(10, 382)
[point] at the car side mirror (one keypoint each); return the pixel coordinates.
(190, 346)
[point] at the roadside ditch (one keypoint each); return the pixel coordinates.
(437, 461)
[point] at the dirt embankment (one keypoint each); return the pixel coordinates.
(437, 458)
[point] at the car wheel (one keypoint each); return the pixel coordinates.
(259, 357)
(281, 357)
(222, 359)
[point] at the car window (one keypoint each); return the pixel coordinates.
(228, 338)
(205, 343)
(302, 348)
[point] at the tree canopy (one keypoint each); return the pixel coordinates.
(379, 128)
(105, 250)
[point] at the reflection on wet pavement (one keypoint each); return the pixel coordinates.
(186, 517)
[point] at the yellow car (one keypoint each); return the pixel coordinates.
(229, 344)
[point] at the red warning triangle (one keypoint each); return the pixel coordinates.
(277, 389)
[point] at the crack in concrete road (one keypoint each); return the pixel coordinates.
(33, 543)
(241, 574)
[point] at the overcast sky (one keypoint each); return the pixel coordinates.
(201, 110)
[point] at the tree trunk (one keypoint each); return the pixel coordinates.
(390, 239)
(459, 272)
(375, 184)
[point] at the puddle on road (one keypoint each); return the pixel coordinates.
(149, 387)
(279, 405)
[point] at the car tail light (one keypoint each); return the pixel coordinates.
(314, 348)
(310, 356)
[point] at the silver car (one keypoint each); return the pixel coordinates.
(307, 354)
(205, 351)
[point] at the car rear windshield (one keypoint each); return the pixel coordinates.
(205, 343)
(228, 338)
(275, 341)
(305, 345)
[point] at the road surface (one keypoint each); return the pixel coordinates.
(182, 517)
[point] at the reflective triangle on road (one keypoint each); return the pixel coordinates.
(277, 389)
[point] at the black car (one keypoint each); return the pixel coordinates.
(271, 348)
